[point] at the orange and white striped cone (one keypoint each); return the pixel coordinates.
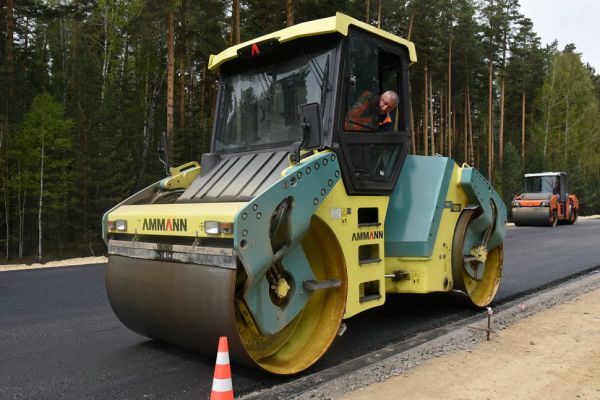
(222, 387)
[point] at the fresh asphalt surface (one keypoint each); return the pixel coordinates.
(60, 339)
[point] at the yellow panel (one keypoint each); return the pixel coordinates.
(174, 219)
(181, 177)
(339, 23)
(340, 212)
(432, 274)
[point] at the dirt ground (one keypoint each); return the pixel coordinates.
(554, 354)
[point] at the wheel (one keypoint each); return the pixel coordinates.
(475, 271)
(303, 341)
(192, 305)
(572, 215)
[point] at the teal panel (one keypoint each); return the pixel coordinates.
(271, 318)
(416, 205)
(481, 193)
(307, 185)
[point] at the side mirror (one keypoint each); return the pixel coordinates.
(311, 125)
(310, 121)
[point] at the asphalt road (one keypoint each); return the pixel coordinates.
(60, 339)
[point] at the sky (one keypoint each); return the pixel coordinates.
(568, 21)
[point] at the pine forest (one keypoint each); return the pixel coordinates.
(87, 88)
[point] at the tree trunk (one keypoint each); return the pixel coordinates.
(431, 115)
(367, 9)
(523, 127)
(379, 15)
(41, 202)
(10, 29)
(9, 45)
(213, 99)
(7, 216)
(170, 76)
(202, 104)
(181, 91)
(470, 124)
(21, 197)
(442, 124)
(412, 118)
(452, 138)
(21, 212)
(410, 26)
(63, 62)
(426, 114)
(490, 130)
(417, 139)
(3, 29)
(235, 22)
(150, 102)
(566, 138)
(465, 129)
(549, 106)
(501, 130)
(449, 114)
(412, 125)
(193, 148)
(106, 48)
(182, 45)
(290, 12)
(123, 80)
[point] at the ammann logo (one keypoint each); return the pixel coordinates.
(367, 235)
(165, 224)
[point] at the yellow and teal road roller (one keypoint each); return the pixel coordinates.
(305, 212)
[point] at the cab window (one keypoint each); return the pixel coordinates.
(374, 141)
(372, 71)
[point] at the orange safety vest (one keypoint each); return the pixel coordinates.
(387, 120)
(355, 121)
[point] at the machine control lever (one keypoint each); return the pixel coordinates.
(311, 285)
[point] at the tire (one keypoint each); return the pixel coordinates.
(481, 292)
(573, 214)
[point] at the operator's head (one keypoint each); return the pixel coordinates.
(388, 101)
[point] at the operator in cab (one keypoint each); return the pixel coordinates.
(360, 117)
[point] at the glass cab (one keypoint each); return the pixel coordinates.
(373, 143)
(262, 91)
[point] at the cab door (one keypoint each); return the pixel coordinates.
(371, 157)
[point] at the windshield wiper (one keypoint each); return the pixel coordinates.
(325, 84)
(266, 80)
(321, 75)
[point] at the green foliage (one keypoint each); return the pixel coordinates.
(89, 82)
(567, 130)
(511, 175)
(44, 155)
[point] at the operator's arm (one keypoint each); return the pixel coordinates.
(359, 117)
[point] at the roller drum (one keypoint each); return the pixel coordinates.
(191, 305)
(185, 304)
(532, 216)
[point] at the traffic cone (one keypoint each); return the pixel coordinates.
(222, 387)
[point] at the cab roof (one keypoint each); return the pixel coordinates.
(339, 23)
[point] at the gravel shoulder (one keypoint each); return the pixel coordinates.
(53, 264)
(546, 346)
